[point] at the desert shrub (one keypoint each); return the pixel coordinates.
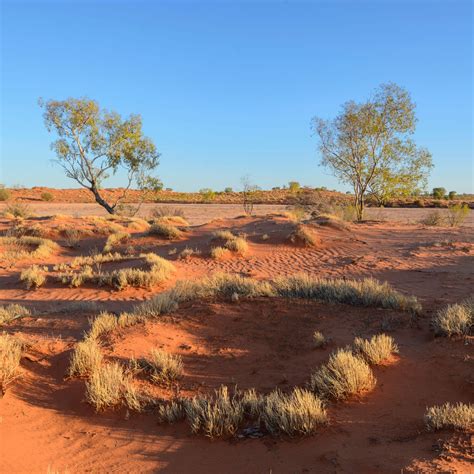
(98, 259)
(302, 235)
(377, 349)
(34, 276)
(238, 245)
(47, 197)
(454, 320)
(188, 252)
(207, 194)
(115, 239)
(216, 417)
(86, 358)
(345, 374)
(76, 279)
(433, 218)
(452, 195)
(4, 194)
(367, 292)
(228, 190)
(165, 231)
(163, 303)
(10, 355)
(318, 339)
(217, 253)
(102, 324)
(164, 367)
(230, 242)
(295, 213)
(18, 209)
(109, 386)
(299, 413)
(11, 312)
(457, 214)
(458, 416)
(294, 186)
(439, 193)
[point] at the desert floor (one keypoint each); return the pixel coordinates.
(46, 426)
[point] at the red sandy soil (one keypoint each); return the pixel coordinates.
(262, 343)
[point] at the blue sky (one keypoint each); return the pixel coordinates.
(228, 88)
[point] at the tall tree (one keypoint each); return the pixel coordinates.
(369, 146)
(94, 144)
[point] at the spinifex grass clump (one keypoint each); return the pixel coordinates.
(165, 230)
(344, 375)
(164, 367)
(11, 312)
(376, 350)
(304, 236)
(455, 319)
(27, 247)
(230, 242)
(367, 292)
(457, 416)
(86, 358)
(34, 276)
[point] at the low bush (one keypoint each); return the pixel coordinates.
(230, 242)
(458, 416)
(302, 235)
(345, 374)
(4, 194)
(377, 349)
(457, 214)
(115, 239)
(433, 219)
(18, 210)
(218, 253)
(299, 413)
(20, 247)
(47, 197)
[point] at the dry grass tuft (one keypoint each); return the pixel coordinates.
(9, 313)
(302, 235)
(318, 339)
(110, 387)
(218, 253)
(377, 350)
(367, 292)
(229, 241)
(458, 416)
(216, 417)
(21, 247)
(165, 231)
(10, 355)
(86, 358)
(172, 412)
(115, 239)
(34, 276)
(345, 374)
(164, 367)
(455, 319)
(102, 324)
(299, 413)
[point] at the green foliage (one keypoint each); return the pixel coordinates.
(94, 144)
(457, 214)
(368, 145)
(452, 195)
(228, 190)
(439, 193)
(294, 186)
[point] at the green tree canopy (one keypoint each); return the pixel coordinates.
(94, 144)
(369, 146)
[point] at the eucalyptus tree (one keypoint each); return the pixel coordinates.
(369, 146)
(93, 144)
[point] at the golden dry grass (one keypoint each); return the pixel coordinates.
(9, 313)
(376, 350)
(457, 416)
(10, 354)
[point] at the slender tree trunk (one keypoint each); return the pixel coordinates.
(98, 198)
(359, 205)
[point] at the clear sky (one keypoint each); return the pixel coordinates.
(228, 88)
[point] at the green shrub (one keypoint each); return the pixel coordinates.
(439, 193)
(457, 214)
(452, 195)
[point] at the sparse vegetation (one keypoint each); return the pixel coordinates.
(218, 253)
(457, 416)
(457, 214)
(115, 239)
(344, 375)
(47, 197)
(376, 350)
(4, 194)
(20, 247)
(302, 235)
(433, 219)
(318, 339)
(17, 210)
